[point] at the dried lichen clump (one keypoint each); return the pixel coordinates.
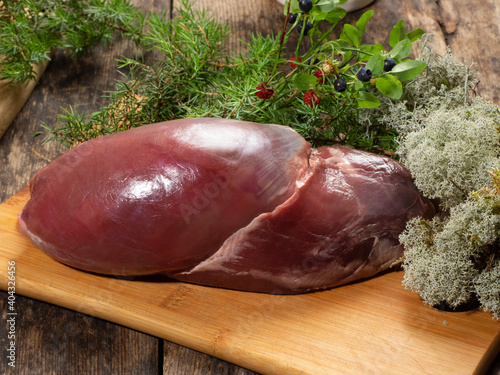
(450, 143)
(457, 259)
(488, 290)
(451, 155)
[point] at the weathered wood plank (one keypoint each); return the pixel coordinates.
(257, 16)
(52, 340)
(472, 30)
(181, 360)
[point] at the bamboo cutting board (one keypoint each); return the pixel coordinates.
(371, 327)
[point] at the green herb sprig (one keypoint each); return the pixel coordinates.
(193, 76)
(30, 30)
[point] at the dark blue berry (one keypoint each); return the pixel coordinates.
(389, 64)
(305, 5)
(310, 62)
(364, 74)
(306, 28)
(340, 85)
(292, 18)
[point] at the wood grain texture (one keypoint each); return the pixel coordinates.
(244, 18)
(472, 31)
(373, 326)
(182, 360)
(76, 343)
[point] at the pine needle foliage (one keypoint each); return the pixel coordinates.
(193, 76)
(30, 30)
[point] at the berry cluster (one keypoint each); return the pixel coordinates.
(305, 5)
(364, 74)
(311, 97)
(263, 92)
(327, 69)
(389, 64)
(337, 77)
(293, 65)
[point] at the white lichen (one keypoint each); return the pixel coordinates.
(449, 141)
(488, 290)
(451, 154)
(451, 260)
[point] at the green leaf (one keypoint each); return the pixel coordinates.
(335, 15)
(389, 86)
(415, 34)
(285, 7)
(316, 16)
(323, 6)
(401, 50)
(351, 35)
(367, 100)
(358, 85)
(397, 34)
(304, 81)
(408, 69)
(294, 6)
(375, 64)
(370, 50)
(363, 20)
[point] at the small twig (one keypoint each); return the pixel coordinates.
(283, 32)
(282, 39)
(464, 192)
(491, 261)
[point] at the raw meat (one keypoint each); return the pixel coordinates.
(343, 224)
(223, 203)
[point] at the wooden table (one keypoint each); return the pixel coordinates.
(55, 340)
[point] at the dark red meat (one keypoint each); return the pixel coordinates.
(223, 203)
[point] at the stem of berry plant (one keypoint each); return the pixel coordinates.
(283, 32)
(356, 50)
(282, 39)
(301, 37)
(320, 40)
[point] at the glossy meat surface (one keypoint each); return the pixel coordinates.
(342, 225)
(222, 203)
(161, 197)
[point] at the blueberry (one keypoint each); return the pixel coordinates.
(306, 29)
(310, 62)
(305, 5)
(292, 18)
(364, 74)
(389, 64)
(340, 84)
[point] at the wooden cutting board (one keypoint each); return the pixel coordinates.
(370, 327)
